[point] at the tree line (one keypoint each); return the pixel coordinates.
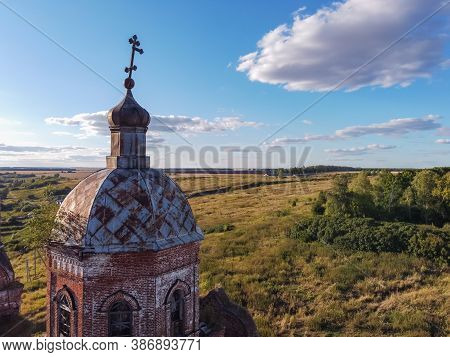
(390, 212)
(409, 196)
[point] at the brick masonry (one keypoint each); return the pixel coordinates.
(10, 288)
(143, 279)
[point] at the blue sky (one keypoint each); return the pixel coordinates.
(228, 73)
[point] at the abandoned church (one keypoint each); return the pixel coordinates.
(123, 259)
(10, 288)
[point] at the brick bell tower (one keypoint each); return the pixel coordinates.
(123, 257)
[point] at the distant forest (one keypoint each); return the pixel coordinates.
(331, 168)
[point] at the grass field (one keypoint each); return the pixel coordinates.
(290, 288)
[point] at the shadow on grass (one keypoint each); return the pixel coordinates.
(18, 326)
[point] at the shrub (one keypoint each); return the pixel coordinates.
(282, 213)
(346, 276)
(14, 221)
(220, 228)
(367, 234)
(4, 193)
(370, 235)
(28, 207)
(431, 245)
(59, 191)
(5, 207)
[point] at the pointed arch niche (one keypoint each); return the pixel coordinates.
(177, 304)
(65, 319)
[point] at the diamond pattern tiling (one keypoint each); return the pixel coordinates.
(126, 209)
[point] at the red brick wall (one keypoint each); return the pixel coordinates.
(143, 278)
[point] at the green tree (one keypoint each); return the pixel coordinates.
(318, 207)
(280, 173)
(362, 196)
(361, 184)
(339, 197)
(388, 189)
(424, 186)
(408, 199)
(39, 228)
(442, 194)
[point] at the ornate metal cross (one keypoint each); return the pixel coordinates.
(129, 82)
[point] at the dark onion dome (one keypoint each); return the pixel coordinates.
(128, 113)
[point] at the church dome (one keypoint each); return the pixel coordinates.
(128, 113)
(128, 206)
(125, 210)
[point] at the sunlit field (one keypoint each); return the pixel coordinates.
(291, 288)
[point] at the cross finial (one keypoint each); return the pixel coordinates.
(129, 82)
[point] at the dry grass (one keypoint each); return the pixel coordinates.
(79, 174)
(292, 288)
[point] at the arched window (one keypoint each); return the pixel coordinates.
(177, 313)
(64, 316)
(65, 313)
(120, 319)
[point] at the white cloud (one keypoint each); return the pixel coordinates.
(362, 150)
(306, 138)
(192, 125)
(91, 124)
(316, 52)
(19, 155)
(443, 141)
(307, 122)
(391, 127)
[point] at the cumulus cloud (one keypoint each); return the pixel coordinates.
(398, 126)
(192, 125)
(91, 124)
(361, 150)
(443, 141)
(317, 51)
(392, 127)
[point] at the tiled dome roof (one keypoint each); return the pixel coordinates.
(121, 210)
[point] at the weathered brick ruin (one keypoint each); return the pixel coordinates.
(222, 318)
(10, 288)
(124, 256)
